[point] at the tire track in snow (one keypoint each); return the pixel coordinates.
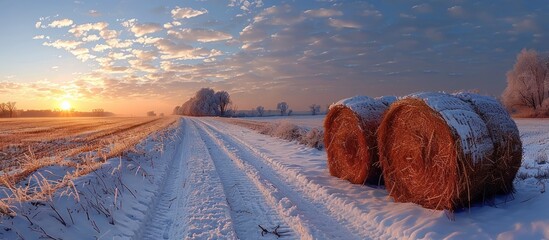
(248, 206)
(308, 219)
(364, 223)
(190, 203)
(158, 215)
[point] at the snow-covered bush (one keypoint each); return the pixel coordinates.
(206, 102)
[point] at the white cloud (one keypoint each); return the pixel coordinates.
(338, 23)
(117, 43)
(200, 35)
(94, 13)
(422, 8)
(83, 29)
(39, 37)
(129, 23)
(101, 47)
(456, 10)
(171, 50)
(38, 24)
(63, 44)
(178, 12)
(108, 34)
(61, 23)
(146, 28)
(322, 12)
(91, 38)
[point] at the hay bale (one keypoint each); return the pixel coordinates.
(350, 139)
(507, 155)
(434, 151)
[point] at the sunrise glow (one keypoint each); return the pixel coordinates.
(65, 106)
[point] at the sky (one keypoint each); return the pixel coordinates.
(130, 57)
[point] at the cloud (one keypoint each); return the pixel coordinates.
(323, 12)
(39, 37)
(117, 43)
(63, 44)
(200, 35)
(182, 51)
(108, 34)
(83, 29)
(146, 28)
(456, 11)
(91, 38)
(82, 54)
(101, 47)
(61, 23)
(178, 13)
(422, 8)
(246, 5)
(94, 13)
(38, 24)
(338, 23)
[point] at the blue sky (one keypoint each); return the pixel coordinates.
(135, 56)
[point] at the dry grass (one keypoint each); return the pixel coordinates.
(80, 144)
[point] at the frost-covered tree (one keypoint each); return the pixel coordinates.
(315, 109)
(260, 110)
(282, 107)
(223, 100)
(528, 84)
(206, 102)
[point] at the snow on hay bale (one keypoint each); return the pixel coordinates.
(434, 150)
(507, 155)
(350, 139)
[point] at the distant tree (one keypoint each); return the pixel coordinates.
(151, 114)
(161, 114)
(223, 100)
(282, 107)
(3, 109)
(315, 109)
(207, 102)
(290, 112)
(260, 110)
(10, 106)
(528, 83)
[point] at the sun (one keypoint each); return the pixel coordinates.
(65, 106)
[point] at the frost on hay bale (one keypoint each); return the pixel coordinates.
(350, 139)
(434, 150)
(507, 155)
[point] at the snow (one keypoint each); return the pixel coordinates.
(369, 109)
(209, 179)
(474, 135)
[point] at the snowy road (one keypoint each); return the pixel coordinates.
(219, 186)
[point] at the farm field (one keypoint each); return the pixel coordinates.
(27, 144)
(208, 178)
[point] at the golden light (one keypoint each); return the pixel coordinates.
(65, 106)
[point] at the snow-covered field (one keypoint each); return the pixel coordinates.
(209, 179)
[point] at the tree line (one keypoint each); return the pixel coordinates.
(8, 109)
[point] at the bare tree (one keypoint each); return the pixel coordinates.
(3, 109)
(260, 110)
(10, 106)
(223, 100)
(527, 82)
(151, 114)
(282, 107)
(315, 109)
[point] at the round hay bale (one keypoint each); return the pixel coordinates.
(434, 151)
(350, 139)
(505, 135)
